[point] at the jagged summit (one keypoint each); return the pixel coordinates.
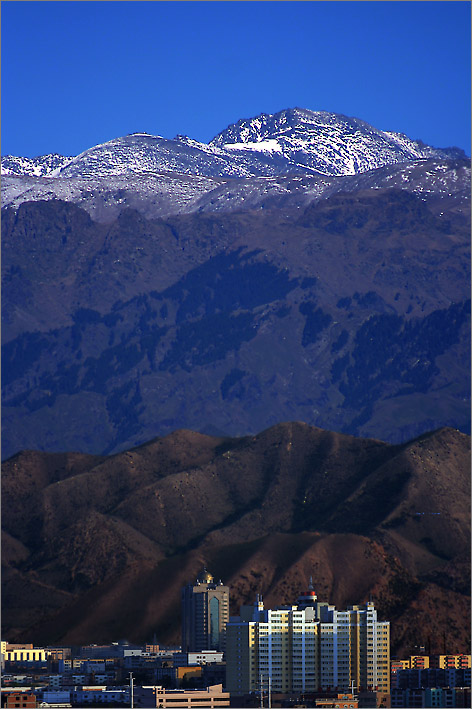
(41, 166)
(269, 124)
(328, 143)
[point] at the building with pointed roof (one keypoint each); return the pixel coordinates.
(205, 612)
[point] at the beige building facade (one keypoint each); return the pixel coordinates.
(209, 698)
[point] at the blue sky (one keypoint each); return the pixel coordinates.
(75, 74)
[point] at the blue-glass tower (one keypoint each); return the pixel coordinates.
(205, 612)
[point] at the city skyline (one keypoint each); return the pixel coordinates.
(306, 651)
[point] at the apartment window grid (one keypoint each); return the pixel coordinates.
(337, 649)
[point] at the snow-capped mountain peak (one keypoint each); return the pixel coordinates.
(296, 152)
(328, 143)
(292, 141)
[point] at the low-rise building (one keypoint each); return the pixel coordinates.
(23, 655)
(20, 700)
(433, 697)
(341, 701)
(419, 662)
(450, 661)
(134, 661)
(205, 657)
(179, 675)
(210, 698)
(431, 677)
(56, 696)
(458, 661)
(98, 696)
(17, 679)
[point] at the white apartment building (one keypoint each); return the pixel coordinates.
(354, 647)
(307, 647)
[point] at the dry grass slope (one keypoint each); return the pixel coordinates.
(97, 548)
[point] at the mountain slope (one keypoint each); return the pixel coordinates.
(302, 265)
(264, 512)
(443, 183)
(352, 313)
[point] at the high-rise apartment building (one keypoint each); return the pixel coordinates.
(307, 647)
(205, 612)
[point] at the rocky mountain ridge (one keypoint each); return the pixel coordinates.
(41, 166)
(293, 141)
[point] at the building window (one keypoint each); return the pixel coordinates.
(215, 622)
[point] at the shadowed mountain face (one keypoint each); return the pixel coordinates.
(351, 314)
(97, 548)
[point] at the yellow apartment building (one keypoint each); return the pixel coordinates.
(451, 661)
(432, 661)
(16, 652)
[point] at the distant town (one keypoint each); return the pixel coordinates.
(308, 654)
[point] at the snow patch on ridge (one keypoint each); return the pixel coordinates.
(264, 146)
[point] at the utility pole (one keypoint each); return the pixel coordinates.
(131, 689)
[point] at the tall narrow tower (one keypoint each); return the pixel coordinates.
(205, 612)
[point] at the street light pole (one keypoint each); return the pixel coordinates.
(131, 689)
